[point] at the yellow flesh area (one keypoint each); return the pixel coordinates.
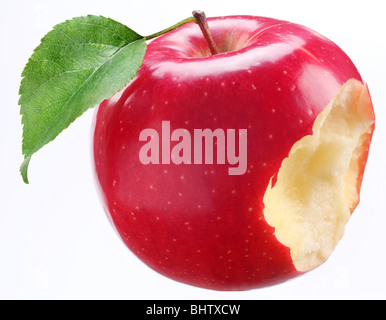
(316, 188)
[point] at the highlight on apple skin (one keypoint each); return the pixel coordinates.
(309, 121)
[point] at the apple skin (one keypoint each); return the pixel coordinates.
(195, 223)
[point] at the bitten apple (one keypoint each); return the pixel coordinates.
(308, 119)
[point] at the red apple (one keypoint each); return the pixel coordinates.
(308, 119)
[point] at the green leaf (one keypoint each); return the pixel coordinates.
(78, 64)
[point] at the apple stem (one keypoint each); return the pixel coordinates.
(203, 24)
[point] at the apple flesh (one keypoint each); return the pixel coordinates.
(309, 120)
(330, 163)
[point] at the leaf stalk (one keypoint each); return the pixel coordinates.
(175, 26)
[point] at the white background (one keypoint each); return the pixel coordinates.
(55, 241)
